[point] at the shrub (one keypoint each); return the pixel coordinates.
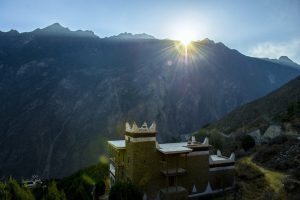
(99, 189)
(125, 190)
(278, 140)
(54, 193)
(81, 184)
(247, 142)
(202, 133)
(216, 140)
(4, 192)
(17, 192)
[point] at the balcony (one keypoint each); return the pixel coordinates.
(173, 172)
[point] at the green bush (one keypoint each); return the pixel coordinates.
(216, 140)
(54, 193)
(125, 191)
(4, 192)
(80, 188)
(81, 184)
(99, 189)
(11, 190)
(202, 133)
(247, 142)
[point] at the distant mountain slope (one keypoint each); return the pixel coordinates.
(130, 36)
(284, 60)
(282, 105)
(63, 93)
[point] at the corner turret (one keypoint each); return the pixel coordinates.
(144, 132)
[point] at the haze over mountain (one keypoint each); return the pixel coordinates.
(285, 61)
(130, 36)
(64, 92)
(281, 107)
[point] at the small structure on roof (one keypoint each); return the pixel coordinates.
(33, 182)
(170, 169)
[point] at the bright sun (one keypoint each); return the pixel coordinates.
(185, 31)
(185, 41)
(186, 36)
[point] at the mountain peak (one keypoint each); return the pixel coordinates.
(55, 26)
(287, 61)
(59, 30)
(130, 36)
(285, 58)
(11, 32)
(207, 41)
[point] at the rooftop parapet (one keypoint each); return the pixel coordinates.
(195, 145)
(219, 158)
(193, 142)
(143, 129)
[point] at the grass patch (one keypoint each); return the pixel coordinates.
(273, 179)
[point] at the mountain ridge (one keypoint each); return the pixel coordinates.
(63, 97)
(285, 61)
(278, 107)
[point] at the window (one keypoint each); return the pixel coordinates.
(171, 180)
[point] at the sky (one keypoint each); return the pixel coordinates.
(260, 28)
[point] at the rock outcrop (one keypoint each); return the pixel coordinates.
(272, 132)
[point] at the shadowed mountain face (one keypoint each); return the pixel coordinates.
(63, 94)
(281, 107)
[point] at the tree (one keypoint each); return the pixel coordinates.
(99, 189)
(125, 191)
(17, 192)
(81, 184)
(54, 193)
(247, 142)
(81, 187)
(202, 133)
(216, 140)
(4, 192)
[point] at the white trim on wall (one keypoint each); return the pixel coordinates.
(140, 139)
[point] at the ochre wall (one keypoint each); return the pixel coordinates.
(221, 179)
(142, 164)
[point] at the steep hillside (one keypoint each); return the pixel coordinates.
(63, 93)
(279, 107)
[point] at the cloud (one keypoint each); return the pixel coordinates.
(275, 50)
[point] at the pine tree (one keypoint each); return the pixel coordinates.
(54, 193)
(17, 192)
(4, 192)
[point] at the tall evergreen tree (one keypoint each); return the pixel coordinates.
(54, 193)
(17, 192)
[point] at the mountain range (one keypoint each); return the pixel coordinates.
(64, 93)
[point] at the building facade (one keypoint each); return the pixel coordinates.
(171, 170)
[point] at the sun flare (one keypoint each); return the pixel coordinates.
(186, 36)
(185, 41)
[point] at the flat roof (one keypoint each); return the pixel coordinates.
(166, 148)
(172, 148)
(118, 144)
(218, 158)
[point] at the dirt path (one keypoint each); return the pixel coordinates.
(273, 178)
